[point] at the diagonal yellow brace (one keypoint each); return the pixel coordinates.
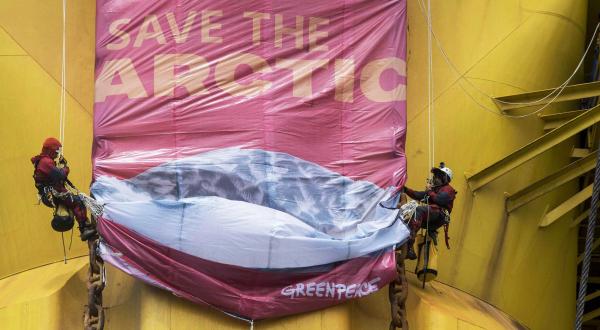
(591, 279)
(594, 246)
(580, 218)
(551, 182)
(572, 92)
(562, 115)
(534, 148)
(566, 206)
(591, 315)
(558, 119)
(593, 295)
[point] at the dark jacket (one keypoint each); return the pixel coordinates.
(47, 173)
(441, 197)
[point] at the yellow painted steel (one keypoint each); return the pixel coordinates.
(551, 182)
(558, 119)
(594, 247)
(29, 108)
(534, 148)
(566, 206)
(502, 47)
(46, 297)
(582, 216)
(571, 92)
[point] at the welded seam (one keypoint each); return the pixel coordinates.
(561, 16)
(44, 69)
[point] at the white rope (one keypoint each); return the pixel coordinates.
(430, 110)
(558, 90)
(62, 237)
(91, 204)
(63, 79)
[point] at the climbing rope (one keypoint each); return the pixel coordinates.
(430, 109)
(587, 256)
(94, 313)
(63, 77)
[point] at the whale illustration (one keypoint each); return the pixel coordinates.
(253, 208)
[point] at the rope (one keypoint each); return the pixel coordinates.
(558, 90)
(71, 239)
(63, 80)
(91, 204)
(585, 268)
(62, 237)
(250, 321)
(426, 246)
(431, 134)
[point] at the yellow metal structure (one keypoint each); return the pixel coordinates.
(555, 120)
(551, 182)
(566, 206)
(535, 148)
(571, 92)
(501, 47)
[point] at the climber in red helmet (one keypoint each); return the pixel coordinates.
(51, 176)
(439, 198)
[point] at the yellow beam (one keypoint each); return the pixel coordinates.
(555, 120)
(591, 296)
(554, 124)
(591, 315)
(593, 279)
(580, 218)
(533, 149)
(573, 92)
(594, 246)
(566, 206)
(579, 152)
(551, 182)
(595, 323)
(562, 115)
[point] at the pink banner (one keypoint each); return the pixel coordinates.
(322, 80)
(291, 113)
(252, 293)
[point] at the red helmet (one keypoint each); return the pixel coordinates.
(51, 145)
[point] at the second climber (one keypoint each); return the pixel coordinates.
(438, 198)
